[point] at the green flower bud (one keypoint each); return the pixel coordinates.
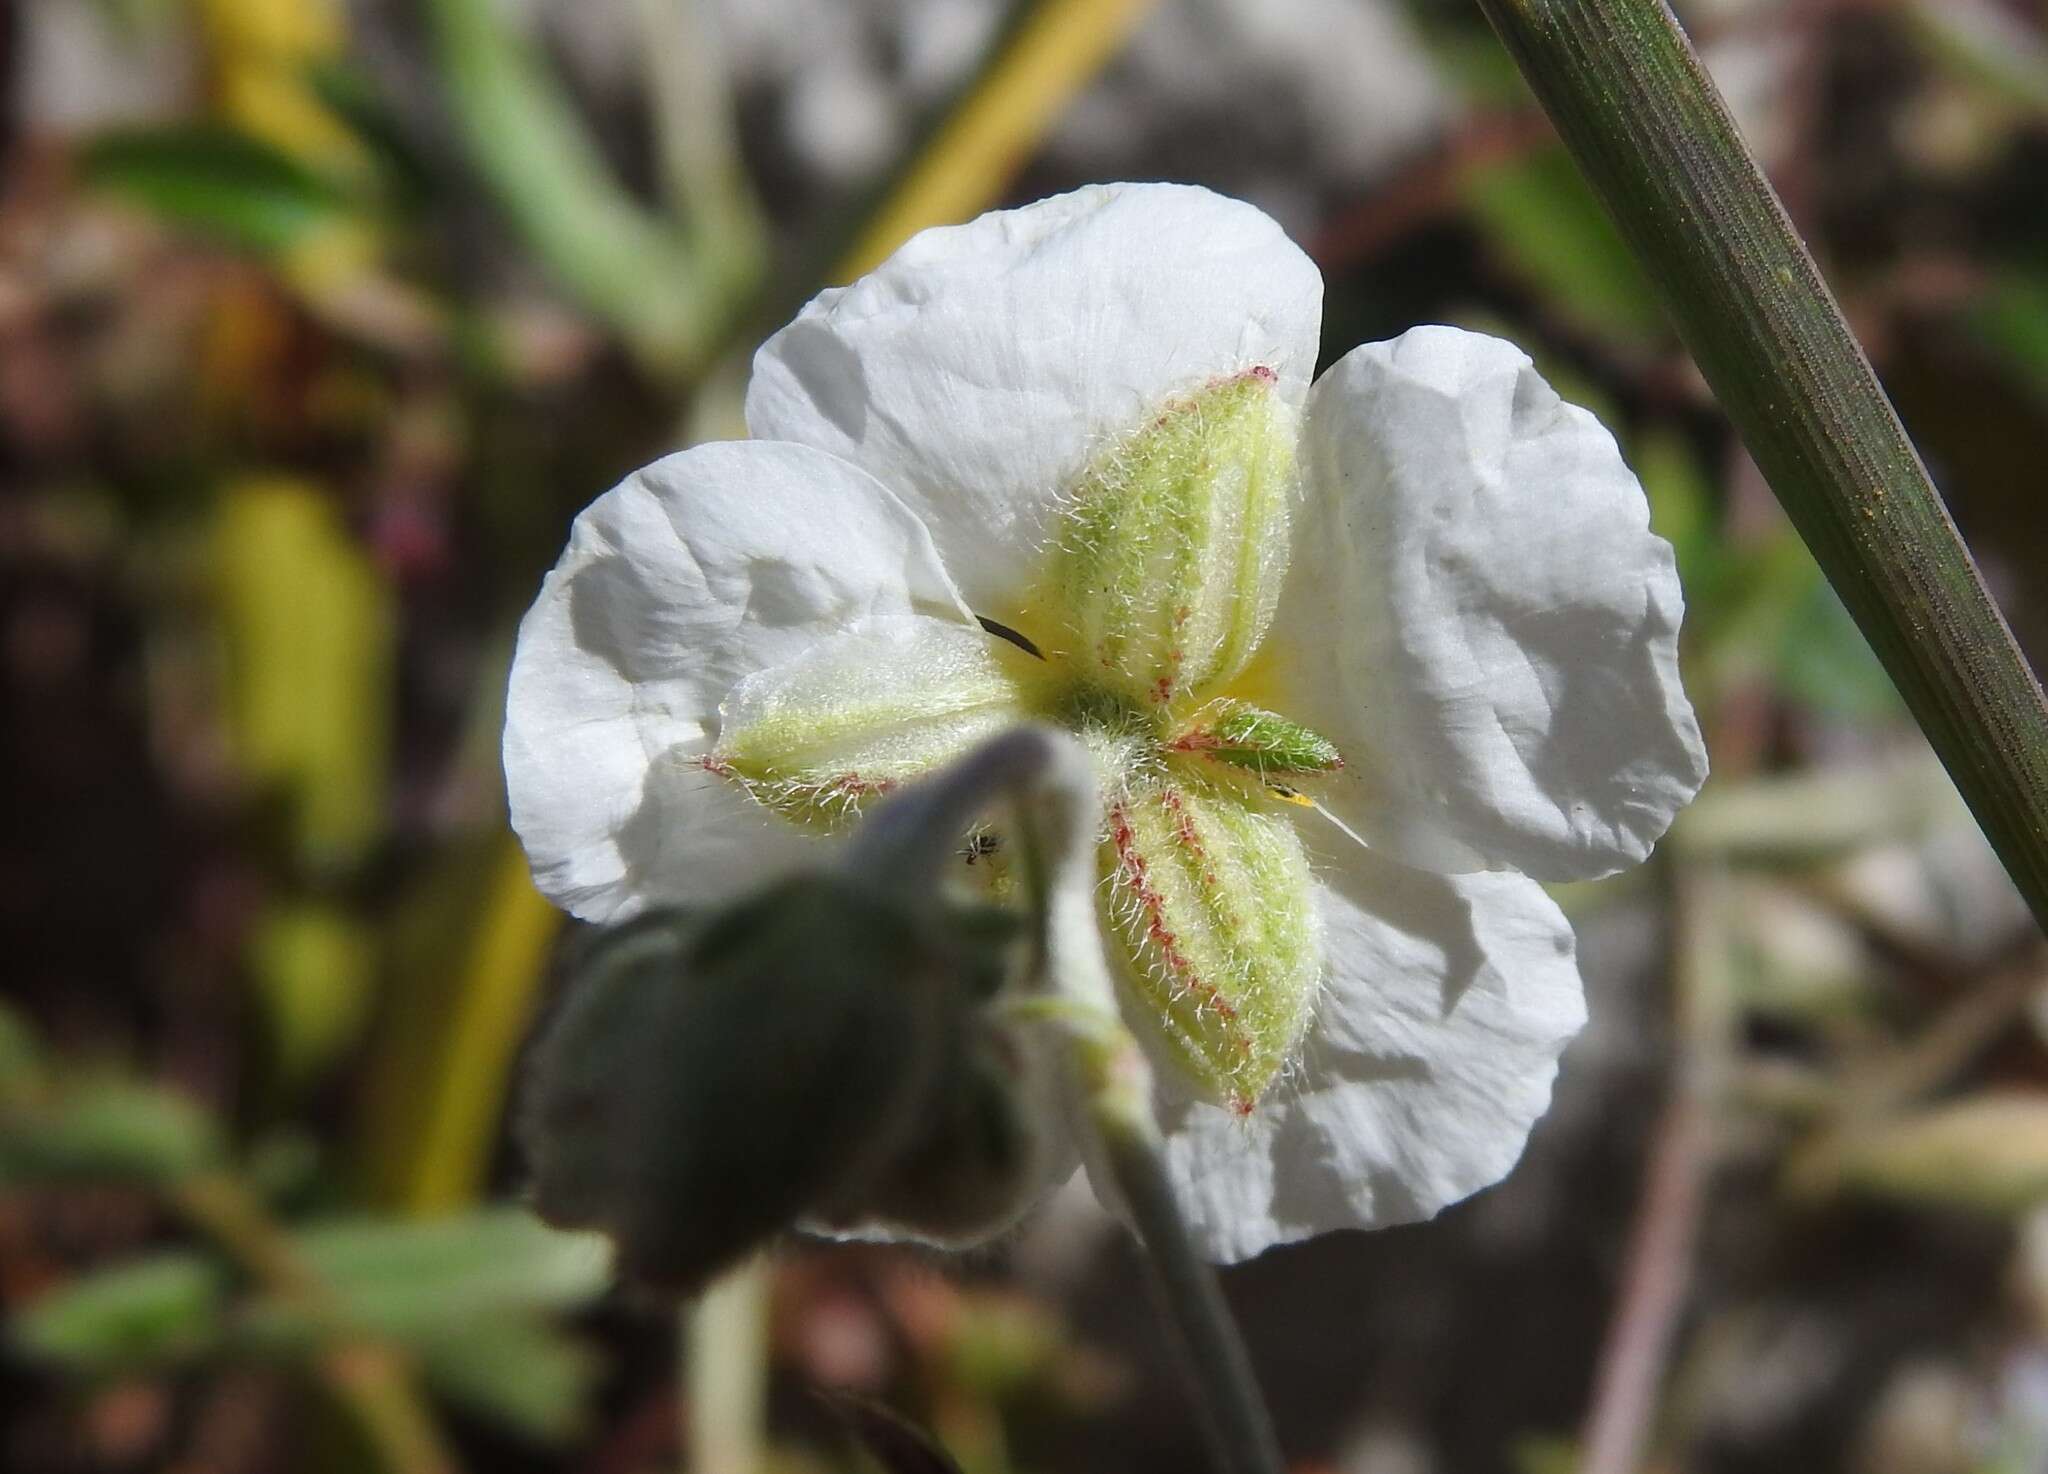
(976, 1163)
(814, 1051)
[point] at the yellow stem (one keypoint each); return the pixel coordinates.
(1054, 53)
(494, 1000)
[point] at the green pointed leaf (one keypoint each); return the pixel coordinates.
(148, 1313)
(216, 180)
(411, 1278)
(103, 1127)
(514, 1372)
(1247, 736)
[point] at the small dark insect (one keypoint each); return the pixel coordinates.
(980, 846)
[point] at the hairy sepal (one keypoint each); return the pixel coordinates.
(1241, 735)
(1173, 547)
(1209, 905)
(818, 737)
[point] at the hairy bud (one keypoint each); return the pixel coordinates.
(816, 1051)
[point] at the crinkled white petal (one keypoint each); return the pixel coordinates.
(689, 575)
(1447, 1001)
(1479, 616)
(976, 370)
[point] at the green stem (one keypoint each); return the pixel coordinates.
(621, 261)
(1648, 128)
(725, 1373)
(704, 181)
(1049, 780)
(1213, 1358)
(372, 1381)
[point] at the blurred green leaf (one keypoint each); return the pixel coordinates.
(2011, 319)
(316, 965)
(217, 180)
(1741, 605)
(1824, 661)
(413, 1279)
(514, 1372)
(1547, 1454)
(1682, 505)
(354, 97)
(147, 1313)
(1000, 1345)
(309, 622)
(1988, 1152)
(21, 1054)
(527, 140)
(102, 1127)
(1545, 221)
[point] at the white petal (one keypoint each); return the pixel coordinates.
(976, 370)
(1448, 1001)
(1480, 618)
(689, 575)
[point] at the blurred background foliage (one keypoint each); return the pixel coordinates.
(319, 320)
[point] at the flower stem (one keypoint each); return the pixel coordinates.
(1055, 50)
(1050, 782)
(373, 1382)
(1213, 1357)
(623, 263)
(1654, 137)
(725, 1373)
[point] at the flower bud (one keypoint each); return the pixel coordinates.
(815, 1050)
(979, 1160)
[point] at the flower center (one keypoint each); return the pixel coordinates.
(1156, 596)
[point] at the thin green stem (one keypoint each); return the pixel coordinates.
(621, 261)
(704, 182)
(1648, 128)
(374, 1382)
(1050, 782)
(1213, 1359)
(725, 1373)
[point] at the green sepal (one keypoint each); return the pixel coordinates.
(1210, 909)
(1247, 736)
(1172, 550)
(820, 737)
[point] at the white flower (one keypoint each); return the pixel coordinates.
(1360, 663)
